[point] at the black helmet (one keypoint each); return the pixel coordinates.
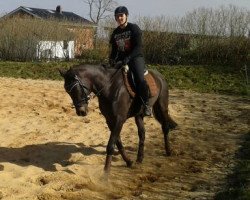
(121, 10)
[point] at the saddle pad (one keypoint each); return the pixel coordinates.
(149, 79)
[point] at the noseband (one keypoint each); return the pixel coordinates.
(86, 97)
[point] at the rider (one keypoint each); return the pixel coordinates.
(126, 46)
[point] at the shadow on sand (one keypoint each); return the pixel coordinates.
(45, 155)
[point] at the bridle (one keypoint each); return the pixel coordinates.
(86, 91)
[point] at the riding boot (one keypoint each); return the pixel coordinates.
(147, 110)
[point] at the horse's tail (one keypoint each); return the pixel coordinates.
(162, 115)
(171, 123)
(161, 111)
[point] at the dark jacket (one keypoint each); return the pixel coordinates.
(126, 43)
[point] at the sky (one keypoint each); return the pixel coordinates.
(149, 8)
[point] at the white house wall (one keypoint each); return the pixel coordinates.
(54, 49)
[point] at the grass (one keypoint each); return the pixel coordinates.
(33, 70)
(213, 79)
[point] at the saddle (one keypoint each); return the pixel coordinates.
(130, 84)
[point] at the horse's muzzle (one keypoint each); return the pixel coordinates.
(82, 111)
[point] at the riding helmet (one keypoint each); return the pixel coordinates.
(121, 10)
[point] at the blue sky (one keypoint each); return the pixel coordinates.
(136, 7)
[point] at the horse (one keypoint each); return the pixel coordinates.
(117, 105)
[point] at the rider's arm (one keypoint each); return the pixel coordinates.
(137, 42)
(113, 52)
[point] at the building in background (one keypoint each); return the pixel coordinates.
(82, 29)
(55, 50)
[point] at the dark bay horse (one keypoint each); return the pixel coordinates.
(116, 104)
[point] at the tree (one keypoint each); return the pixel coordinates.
(100, 9)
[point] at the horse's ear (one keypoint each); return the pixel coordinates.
(62, 72)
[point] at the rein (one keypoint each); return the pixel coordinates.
(111, 80)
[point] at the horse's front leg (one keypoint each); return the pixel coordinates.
(123, 153)
(141, 133)
(115, 133)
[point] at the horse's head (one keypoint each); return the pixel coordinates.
(77, 90)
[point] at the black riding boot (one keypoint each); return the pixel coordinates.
(146, 107)
(147, 110)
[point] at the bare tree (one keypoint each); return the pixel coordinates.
(100, 9)
(224, 21)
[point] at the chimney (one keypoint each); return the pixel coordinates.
(59, 9)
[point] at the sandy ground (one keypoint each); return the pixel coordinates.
(47, 152)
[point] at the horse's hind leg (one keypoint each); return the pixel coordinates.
(141, 133)
(162, 115)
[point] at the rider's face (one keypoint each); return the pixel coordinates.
(121, 19)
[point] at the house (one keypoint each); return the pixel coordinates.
(82, 28)
(55, 50)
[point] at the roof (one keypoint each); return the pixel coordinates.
(50, 14)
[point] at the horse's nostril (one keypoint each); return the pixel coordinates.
(81, 111)
(84, 114)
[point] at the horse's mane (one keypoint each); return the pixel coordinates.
(103, 69)
(107, 74)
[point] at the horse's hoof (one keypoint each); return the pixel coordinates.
(107, 169)
(107, 172)
(105, 176)
(129, 163)
(139, 160)
(168, 153)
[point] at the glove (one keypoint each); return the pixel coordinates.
(125, 61)
(111, 62)
(118, 65)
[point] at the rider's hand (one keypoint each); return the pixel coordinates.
(125, 61)
(118, 65)
(112, 62)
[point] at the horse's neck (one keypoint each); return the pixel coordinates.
(102, 82)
